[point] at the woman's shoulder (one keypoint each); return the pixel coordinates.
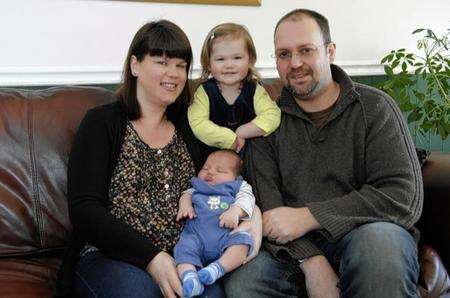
(109, 113)
(177, 112)
(112, 109)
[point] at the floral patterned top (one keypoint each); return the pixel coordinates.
(147, 184)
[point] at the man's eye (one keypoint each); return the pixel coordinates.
(306, 51)
(283, 55)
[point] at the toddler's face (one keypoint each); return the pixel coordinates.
(230, 61)
(218, 168)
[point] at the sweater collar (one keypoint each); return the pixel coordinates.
(347, 95)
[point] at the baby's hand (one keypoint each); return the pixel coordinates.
(230, 218)
(186, 210)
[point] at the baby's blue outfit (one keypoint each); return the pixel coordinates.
(203, 241)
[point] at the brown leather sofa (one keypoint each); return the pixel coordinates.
(36, 131)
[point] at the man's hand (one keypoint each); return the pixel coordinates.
(284, 224)
(230, 218)
(321, 280)
(185, 208)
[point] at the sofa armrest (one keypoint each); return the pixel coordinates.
(435, 221)
(434, 280)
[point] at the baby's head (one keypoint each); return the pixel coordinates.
(226, 34)
(221, 166)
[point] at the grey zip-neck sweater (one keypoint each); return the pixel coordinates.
(359, 167)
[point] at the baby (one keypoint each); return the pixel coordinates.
(218, 199)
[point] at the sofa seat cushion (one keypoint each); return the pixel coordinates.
(31, 277)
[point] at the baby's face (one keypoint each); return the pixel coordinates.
(219, 168)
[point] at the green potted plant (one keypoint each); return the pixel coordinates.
(420, 82)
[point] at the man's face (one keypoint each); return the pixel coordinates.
(303, 60)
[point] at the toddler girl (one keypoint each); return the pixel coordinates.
(230, 106)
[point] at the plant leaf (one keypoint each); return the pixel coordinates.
(417, 31)
(388, 70)
(442, 131)
(404, 66)
(414, 116)
(395, 63)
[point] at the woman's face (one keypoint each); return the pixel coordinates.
(160, 79)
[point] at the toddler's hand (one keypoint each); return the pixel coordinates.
(230, 218)
(238, 144)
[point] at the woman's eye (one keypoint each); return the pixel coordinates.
(162, 62)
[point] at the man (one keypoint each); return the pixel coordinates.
(339, 183)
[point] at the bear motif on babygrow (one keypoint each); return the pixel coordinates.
(214, 202)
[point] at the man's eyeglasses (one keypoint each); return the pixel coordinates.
(305, 53)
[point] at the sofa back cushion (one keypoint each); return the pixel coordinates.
(36, 132)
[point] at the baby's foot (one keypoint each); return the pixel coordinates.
(191, 284)
(211, 273)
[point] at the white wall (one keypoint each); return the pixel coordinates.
(48, 42)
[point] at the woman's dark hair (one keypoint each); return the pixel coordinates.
(159, 38)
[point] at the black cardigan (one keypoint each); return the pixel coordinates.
(92, 161)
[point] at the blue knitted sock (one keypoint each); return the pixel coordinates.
(211, 273)
(191, 284)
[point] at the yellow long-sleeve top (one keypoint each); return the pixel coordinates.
(267, 118)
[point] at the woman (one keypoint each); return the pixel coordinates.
(129, 163)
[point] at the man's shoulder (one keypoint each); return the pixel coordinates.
(369, 95)
(375, 102)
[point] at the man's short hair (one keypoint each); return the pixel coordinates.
(322, 21)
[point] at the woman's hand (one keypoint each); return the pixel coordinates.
(163, 271)
(254, 227)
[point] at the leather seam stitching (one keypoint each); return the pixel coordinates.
(34, 178)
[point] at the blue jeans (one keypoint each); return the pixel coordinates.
(374, 260)
(99, 276)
